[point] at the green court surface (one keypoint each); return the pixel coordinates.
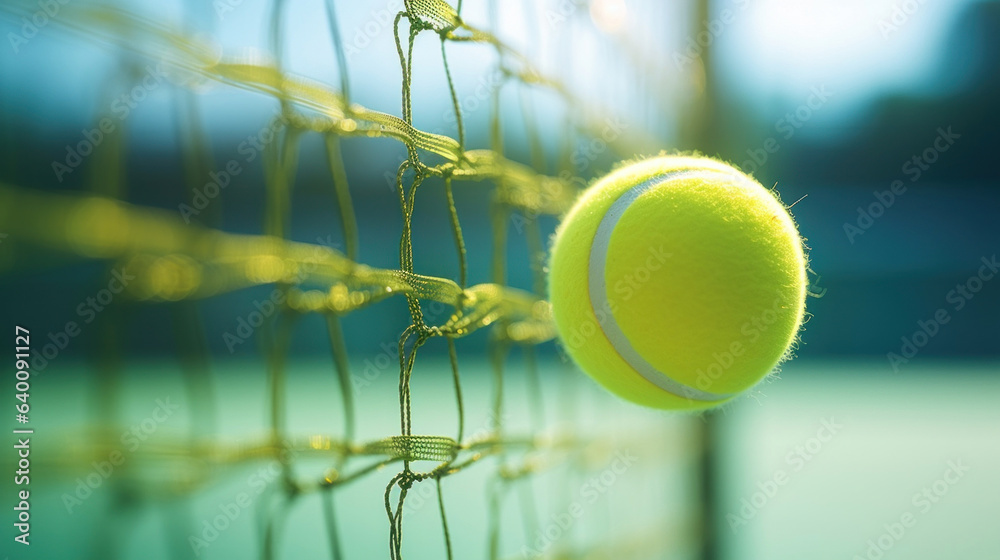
(828, 460)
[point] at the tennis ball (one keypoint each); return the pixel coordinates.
(678, 282)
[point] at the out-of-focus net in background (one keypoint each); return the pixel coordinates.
(493, 453)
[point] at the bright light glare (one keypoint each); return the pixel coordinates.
(610, 16)
(860, 49)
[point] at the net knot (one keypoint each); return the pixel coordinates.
(406, 481)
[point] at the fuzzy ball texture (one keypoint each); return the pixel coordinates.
(678, 282)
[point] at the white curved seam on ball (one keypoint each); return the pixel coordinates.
(597, 285)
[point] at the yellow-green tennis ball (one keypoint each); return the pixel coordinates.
(678, 282)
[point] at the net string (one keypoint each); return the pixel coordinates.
(197, 262)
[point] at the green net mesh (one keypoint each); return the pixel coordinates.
(175, 260)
